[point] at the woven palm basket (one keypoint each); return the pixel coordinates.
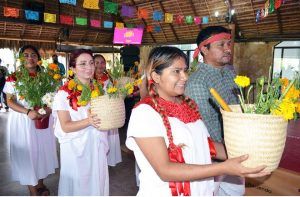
(122, 81)
(111, 111)
(261, 136)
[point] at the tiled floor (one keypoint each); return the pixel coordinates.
(122, 177)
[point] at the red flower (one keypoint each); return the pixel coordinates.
(11, 78)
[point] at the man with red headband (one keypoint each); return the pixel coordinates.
(214, 44)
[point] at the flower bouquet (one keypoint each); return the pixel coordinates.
(259, 129)
(33, 87)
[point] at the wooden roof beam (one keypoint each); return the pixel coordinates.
(41, 30)
(278, 14)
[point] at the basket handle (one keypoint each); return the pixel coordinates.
(220, 100)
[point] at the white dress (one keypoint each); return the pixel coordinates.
(83, 154)
(114, 154)
(33, 153)
(146, 122)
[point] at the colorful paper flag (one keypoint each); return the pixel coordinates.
(119, 25)
(142, 13)
(71, 2)
(157, 28)
(65, 19)
(189, 20)
(262, 13)
(129, 25)
(11, 12)
(149, 28)
(128, 11)
(205, 20)
(91, 4)
(49, 18)
(257, 16)
(157, 15)
(95, 23)
(32, 15)
(179, 19)
(197, 20)
(107, 24)
(110, 7)
(277, 4)
(81, 21)
(267, 4)
(271, 6)
(168, 18)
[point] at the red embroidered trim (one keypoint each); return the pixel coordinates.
(12, 78)
(181, 111)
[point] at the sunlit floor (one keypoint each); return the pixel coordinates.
(122, 176)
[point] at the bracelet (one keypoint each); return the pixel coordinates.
(29, 110)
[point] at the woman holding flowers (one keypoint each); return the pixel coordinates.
(32, 151)
(169, 139)
(101, 75)
(83, 148)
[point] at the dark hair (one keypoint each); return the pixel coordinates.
(32, 48)
(163, 57)
(208, 32)
(99, 55)
(75, 54)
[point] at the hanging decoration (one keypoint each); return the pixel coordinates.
(257, 16)
(267, 8)
(129, 25)
(49, 18)
(71, 2)
(271, 7)
(277, 4)
(157, 28)
(65, 19)
(81, 21)
(179, 19)
(91, 4)
(11, 12)
(108, 24)
(168, 18)
(149, 28)
(142, 13)
(119, 25)
(95, 23)
(32, 15)
(128, 11)
(205, 20)
(110, 7)
(189, 20)
(157, 15)
(140, 26)
(197, 20)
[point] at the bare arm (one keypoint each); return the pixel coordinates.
(12, 103)
(68, 125)
(155, 151)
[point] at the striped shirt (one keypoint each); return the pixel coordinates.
(198, 86)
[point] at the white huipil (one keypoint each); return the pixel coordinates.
(83, 154)
(146, 122)
(32, 151)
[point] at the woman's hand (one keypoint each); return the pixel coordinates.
(94, 120)
(234, 167)
(33, 115)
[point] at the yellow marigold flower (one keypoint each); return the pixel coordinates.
(298, 107)
(284, 81)
(286, 109)
(40, 62)
(128, 85)
(137, 82)
(112, 90)
(70, 73)
(95, 93)
(71, 84)
(242, 81)
(53, 66)
(82, 103)
(57, 76)
(130, 91)
(293, 93)
(79, 87)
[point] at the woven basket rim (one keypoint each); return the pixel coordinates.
(250, 115)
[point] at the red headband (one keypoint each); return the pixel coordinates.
(209, 40)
